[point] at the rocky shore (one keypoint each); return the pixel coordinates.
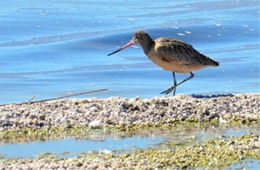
(117, 111)
(71, 116)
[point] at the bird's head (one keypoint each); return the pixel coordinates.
(140, 37)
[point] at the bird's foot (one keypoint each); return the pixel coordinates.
(168, 90)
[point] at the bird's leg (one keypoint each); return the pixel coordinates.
(174, 83)
(174, 87)
(191, 76)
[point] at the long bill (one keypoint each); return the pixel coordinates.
(125, 46)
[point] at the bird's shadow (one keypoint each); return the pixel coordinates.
(199, 96)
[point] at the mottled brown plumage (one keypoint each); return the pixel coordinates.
(172, 55)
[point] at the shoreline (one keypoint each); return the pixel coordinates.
(126, 112)
(213, 153)
(81, 117)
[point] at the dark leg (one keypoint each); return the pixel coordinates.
(191, 76)
(174, 87)
(174, 83)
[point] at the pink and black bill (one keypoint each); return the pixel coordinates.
(125, 46)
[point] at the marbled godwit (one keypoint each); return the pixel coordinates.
(172, 55)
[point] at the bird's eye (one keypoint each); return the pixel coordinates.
(139, 38)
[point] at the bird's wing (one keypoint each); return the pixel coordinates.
(170, 49)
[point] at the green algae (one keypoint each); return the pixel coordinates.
(215, 152)
(12, 135)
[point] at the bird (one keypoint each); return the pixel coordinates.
(172, 55)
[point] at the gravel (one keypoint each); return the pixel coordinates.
(116, 111)
(94, 112)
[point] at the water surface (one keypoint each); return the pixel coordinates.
(51, 48)
(72, 146)
(105, 141)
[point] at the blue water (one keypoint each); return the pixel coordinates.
(73, 146)
(159, 138)
(245, 164)
(51, 48)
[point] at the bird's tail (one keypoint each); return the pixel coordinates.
(211, 62)
(214, 63)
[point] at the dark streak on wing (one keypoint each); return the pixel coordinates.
(176, 50)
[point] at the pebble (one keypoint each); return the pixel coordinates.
(95, 124)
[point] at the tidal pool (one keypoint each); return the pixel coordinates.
(248, 164)
(100, 140)
(73, 146)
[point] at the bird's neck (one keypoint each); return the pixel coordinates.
(147, 45)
